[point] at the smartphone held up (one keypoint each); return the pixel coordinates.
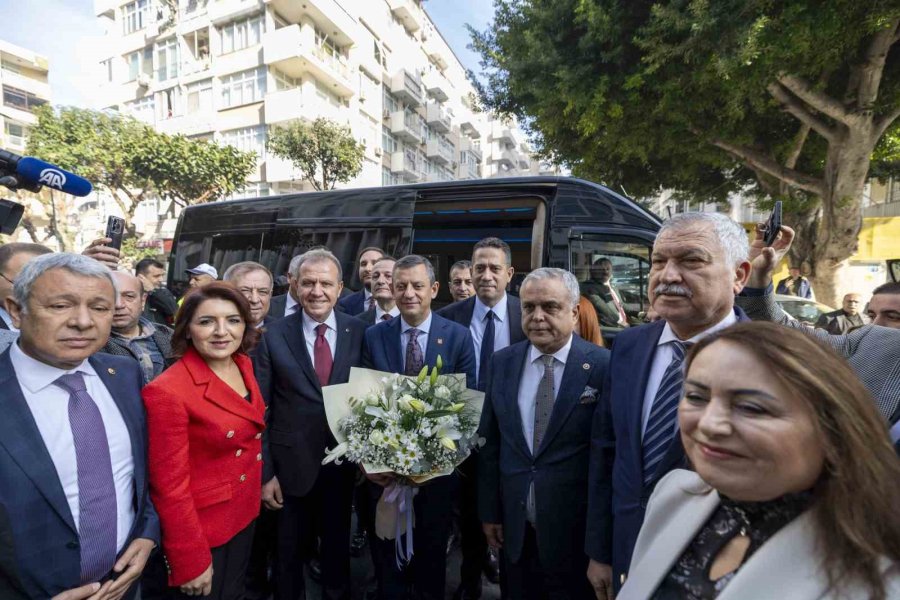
(773, 224)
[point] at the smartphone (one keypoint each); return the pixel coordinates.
(773, 225)
(115, 229)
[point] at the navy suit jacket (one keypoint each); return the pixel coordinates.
(45, 542)
(448, 339)
(617, 495)
(461, 312)
(297, 431)
(559, 467)
(353, 304)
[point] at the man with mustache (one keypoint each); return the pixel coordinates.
(699, 262)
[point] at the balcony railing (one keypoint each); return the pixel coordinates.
(333, 61)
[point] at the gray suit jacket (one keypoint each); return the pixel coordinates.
(871, 350)
(786, 566)
(7, 338)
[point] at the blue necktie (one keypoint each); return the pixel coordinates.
(661, 423)
(487, 349)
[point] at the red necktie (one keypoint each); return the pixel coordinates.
(322, 355)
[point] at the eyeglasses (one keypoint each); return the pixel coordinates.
(11, 282)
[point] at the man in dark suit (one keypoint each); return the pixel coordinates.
(13, 257)
(405, 345)
(301, 354)
(284, 305)
(73, 473)
(533, 468)
(385, 308)
(699, 262)
(600, 291)
(255, 283)
(361, 301)
(846, 318)
(494, 320)
(795, 284)
(160, 306)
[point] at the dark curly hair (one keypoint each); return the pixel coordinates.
(219, 290)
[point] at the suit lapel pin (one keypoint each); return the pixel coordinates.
(440, 341)
(347, 330)
(585, 366)
(111, 371)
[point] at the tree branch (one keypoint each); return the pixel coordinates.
(818, 100)
(872, 68)
(799, 142)
(792, 105)
(756, 160)
(886, 121)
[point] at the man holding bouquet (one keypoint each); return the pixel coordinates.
(300, 355)
(533, 469)
(405, 345)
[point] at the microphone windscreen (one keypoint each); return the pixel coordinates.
(34, 170)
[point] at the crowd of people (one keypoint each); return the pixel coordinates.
(175, 446)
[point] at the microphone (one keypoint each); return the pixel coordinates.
(32, 173)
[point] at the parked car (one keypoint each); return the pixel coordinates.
(802, 309)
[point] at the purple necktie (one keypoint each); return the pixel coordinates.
(414, 358)
(96, 489)
(371, 303)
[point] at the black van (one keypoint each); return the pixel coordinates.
(547, 221)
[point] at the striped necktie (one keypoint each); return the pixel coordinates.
(661, 425)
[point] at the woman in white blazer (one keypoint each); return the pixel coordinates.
(795, 493)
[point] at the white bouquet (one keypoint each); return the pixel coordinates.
(415, 427)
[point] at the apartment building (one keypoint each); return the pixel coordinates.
(23, 79)
(229, 70)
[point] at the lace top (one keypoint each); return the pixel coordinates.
(689, 577)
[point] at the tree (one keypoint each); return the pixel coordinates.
(130, 160)
(324, 151)
(780, 100)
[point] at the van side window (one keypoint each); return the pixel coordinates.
(613, 277)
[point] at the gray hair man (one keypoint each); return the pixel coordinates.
(555, 379)
(135, 335)
(699, 262)
(75, 417)
(461, 286)
(13, 257)
(255, 283)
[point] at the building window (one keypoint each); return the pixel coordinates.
(135, 16)
(323, 92)
(390, 103)
(388, 141)
(167, 59)
(283, 82)
(139, 62)
(15, 134)
(248, 139)
(10, 67)
(169, 104)
(253, 189)
(200, 96)
(142, 109)
(244, 88)
(242, 34)
(16, 98)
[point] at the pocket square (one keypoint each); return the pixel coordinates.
(588, 396)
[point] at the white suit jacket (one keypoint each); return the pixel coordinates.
(788, 565)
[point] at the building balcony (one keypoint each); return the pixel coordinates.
(438, 117)
(436, 86)
(407, 164)
(290, 105)
(328, 15)
(440, 151)
(502, 134)
(26, 84)
(296, 54)
(405, 125)
(192, 124)
(468, 127)
(506, 158)
(524, 161)
(221, 11)
(408, 12)
(467, 145)
(105, 8)
(435, 52)
(407, 87)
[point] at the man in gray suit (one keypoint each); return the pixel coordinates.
(872, 350)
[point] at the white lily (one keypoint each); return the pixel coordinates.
(334, 455)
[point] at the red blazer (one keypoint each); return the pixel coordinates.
(205, 460)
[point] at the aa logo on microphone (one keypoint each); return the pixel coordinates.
(52, 178)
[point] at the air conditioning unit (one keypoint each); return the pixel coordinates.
(143, 80)
(377, 151)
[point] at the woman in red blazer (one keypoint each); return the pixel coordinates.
(205, 418)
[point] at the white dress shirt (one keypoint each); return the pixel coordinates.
(501, 326)
(309, 334)
(7, 319)
(49, 405)
(663, 357)
(528, 388)
(289, 304)
(424, 327)
(380, 313)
